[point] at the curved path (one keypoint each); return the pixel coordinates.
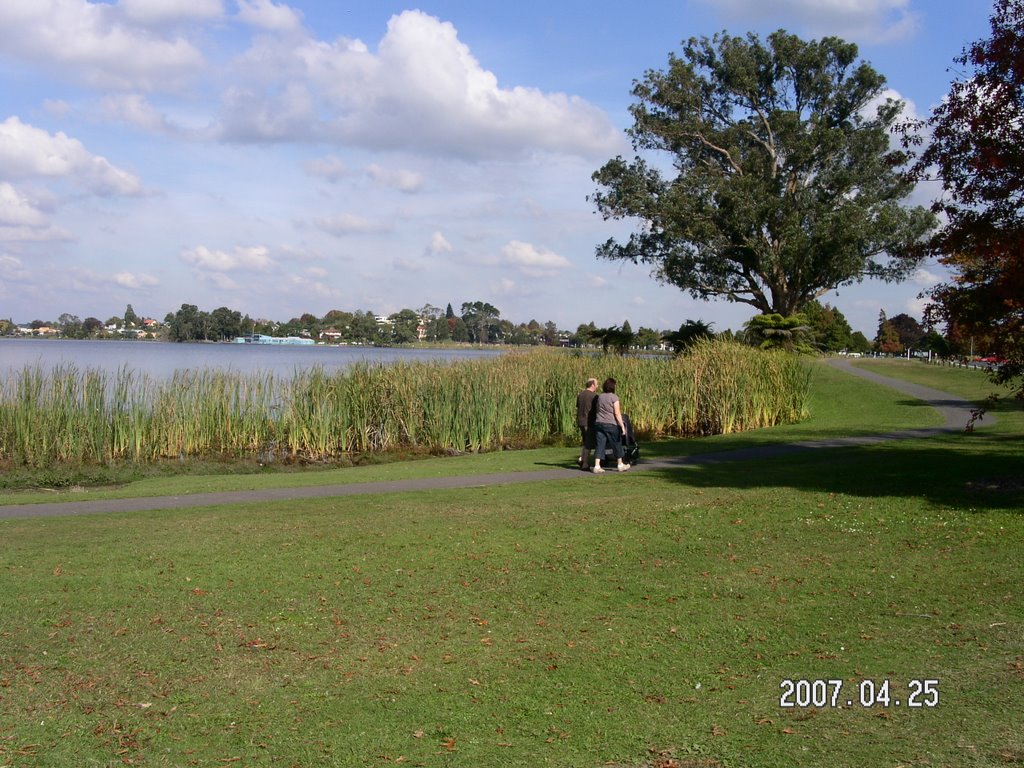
(955, 412)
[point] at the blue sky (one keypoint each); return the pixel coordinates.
(280, 158)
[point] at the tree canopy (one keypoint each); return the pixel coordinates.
(689, 333)
(785, 184)
(977, 151)
(829, 326)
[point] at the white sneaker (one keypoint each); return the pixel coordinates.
(597, 470)
(623, 467)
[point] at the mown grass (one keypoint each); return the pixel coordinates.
(636, 620)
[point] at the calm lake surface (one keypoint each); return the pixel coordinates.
(161, 359)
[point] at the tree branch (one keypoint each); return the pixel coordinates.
(715, 148)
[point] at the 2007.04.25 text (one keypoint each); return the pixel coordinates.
(805, 693)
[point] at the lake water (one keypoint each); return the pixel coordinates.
(160, 359)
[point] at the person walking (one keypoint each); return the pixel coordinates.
(584, 420)
(608, 425)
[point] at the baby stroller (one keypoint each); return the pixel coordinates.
(631, 451)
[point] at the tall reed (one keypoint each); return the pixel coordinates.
(521, 399)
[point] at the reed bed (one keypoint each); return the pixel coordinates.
(520, 399)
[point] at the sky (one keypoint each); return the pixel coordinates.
(280, 158)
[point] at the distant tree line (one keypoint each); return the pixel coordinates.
(816, 328)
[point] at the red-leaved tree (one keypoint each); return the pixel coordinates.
(976, 150)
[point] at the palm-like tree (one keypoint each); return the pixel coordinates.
(689, 333)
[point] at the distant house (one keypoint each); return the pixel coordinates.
(45, 330)
(331, 334)
(261, 339)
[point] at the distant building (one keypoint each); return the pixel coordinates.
(45, 330)
(261, 339)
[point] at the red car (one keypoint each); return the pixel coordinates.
(991, 359)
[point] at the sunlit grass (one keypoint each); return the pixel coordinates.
(556, 625)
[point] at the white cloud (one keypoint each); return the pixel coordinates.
(917, 305)
(23, 220)
(863, 20)
(57, 108)
(270, 16)
(161, 12)
(403, 181)
(330, 168)
(12, 269)
(909, 107)
(532, 261)
(348, 224)
(288, 116)
(423, 90)
(407, 266)
(333, 169)
(504, 287)
(27, 152)
(16, 210)
(924, 278)
(311, 282)
(256, 258)
(92, 43)
(47, 234)
(134, 280)
(439, 244)
(221, 281)
(134, 109)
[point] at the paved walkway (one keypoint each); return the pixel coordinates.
(955, 412)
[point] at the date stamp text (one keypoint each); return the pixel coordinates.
(821, 694)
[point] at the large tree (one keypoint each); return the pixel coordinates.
(784, 184)
(831, 329)
(481, 321)
(977, 152)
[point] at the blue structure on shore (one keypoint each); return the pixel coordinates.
(261, 339)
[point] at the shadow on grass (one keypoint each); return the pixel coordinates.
(912, 403)
(979, 472)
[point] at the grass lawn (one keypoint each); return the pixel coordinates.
(639, 620)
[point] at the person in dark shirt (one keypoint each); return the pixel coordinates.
(585, 421)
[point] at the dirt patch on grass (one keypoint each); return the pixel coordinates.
(665, 758)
